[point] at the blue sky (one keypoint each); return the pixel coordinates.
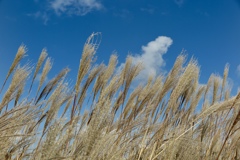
(209, 30)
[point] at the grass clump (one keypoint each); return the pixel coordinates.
(103, 117)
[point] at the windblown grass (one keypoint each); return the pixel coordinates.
(102, 117)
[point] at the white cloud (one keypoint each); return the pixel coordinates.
(75, 7)
(151, 57)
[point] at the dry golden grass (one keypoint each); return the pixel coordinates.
(102, 117)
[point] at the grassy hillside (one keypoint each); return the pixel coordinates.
(101, 117)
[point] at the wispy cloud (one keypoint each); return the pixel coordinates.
(68, 7)
(203, 13)
(149, 10)
(152, 57)
(75, 7)
(40, 15)
(123, 13)
(179, 2)
(238, 70)
(38, 78)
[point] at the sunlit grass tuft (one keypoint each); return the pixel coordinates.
(103, 117)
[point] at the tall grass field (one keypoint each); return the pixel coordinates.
(102, 116)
